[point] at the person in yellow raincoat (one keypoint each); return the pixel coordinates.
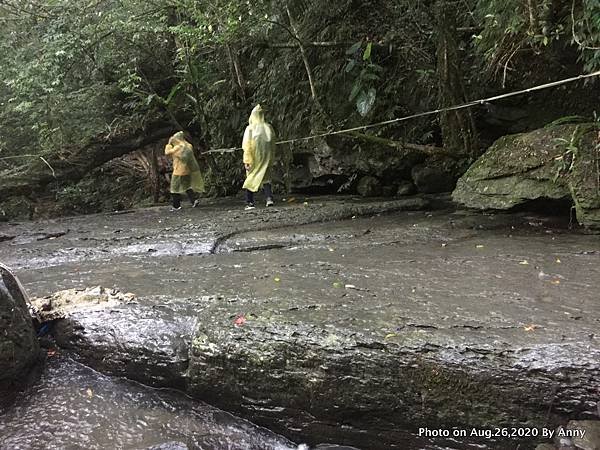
(259, 155)
(187, 177)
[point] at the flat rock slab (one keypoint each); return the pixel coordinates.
(356, 331)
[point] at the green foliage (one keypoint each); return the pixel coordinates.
(566, 162)
(366, 72)
(516, 28)
(76, 71)
(62, 64)
(567, 119)
(571, 149)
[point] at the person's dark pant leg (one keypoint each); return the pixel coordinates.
(268, 191)
(249, 197)
(191, 195)
(176, 198)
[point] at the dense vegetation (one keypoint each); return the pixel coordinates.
(87, 73)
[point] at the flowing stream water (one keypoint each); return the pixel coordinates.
(75, 407)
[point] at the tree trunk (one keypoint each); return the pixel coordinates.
(533, 20)
(307, 66)
(155, 173)
(458, 127)
(38, 174)
(236, 71)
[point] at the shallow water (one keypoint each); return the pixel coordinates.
(74, 407)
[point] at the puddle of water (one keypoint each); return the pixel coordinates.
(74, 407)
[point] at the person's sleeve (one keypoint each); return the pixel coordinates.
(169, 149)
(248, 147)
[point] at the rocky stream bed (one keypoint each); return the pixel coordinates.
(354, 322)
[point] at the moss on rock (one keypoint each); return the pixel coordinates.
(559, 162)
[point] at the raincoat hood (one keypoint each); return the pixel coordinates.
(178, 138)
(257, 116)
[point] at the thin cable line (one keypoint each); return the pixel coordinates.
(423, 114)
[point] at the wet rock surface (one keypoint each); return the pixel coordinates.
(326, 164)
(141, 343)
(19, 349)
(356, 332)
(588, 437)
(576, 435)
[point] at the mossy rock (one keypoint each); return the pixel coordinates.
(558, 162)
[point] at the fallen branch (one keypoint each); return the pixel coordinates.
(427, 149)
(34, 178)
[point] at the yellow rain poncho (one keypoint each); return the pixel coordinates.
(186, 172)
(259, 150)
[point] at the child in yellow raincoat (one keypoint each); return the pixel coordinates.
(259, 155)
(186, 177)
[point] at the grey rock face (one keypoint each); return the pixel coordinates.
(19, 348)
(149, 345)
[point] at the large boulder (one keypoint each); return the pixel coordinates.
(112, 333)
(19, 348)
(558, 162)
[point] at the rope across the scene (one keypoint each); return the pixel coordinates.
(423, 114)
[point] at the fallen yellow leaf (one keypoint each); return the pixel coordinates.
(479, 246)
(277, 279)
(390, 335)
(524, 262)
(530, 327)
